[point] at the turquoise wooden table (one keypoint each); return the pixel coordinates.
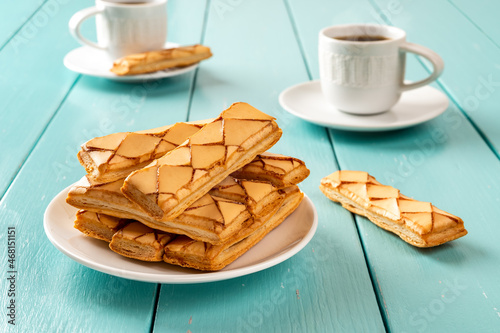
(352, 276)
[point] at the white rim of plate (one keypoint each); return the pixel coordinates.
(128, 78)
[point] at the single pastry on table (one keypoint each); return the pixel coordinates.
(416, 222)
(170, 184)
(154, 61)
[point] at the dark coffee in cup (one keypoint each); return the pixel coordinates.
(362, 38)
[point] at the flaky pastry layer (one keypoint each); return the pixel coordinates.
(137, 241)
(214, 218)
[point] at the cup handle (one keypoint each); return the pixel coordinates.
(433, 57)
(76, 21)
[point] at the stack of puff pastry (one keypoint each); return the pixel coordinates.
(195, 194)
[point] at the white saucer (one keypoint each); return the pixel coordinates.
(286, 240)
(89, 61)
(305, 100)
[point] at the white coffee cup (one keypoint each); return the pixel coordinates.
(366, 77)
(124, 28)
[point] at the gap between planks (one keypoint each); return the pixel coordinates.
(22, 25)
(376, 291)
(473, 23)
(441, 85)
(155, 308)
(39, 137)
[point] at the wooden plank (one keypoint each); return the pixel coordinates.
(482, 14)
(33, 84)
(453, 287)
(57, 294)
(14, 14)
(325, 287)
(472, 71)
(54, 292)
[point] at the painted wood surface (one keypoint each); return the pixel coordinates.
(444, 161)
(260, 48)
(472, 73)
(482, 15)
(15, 14)
(33, 83)
(321, 287)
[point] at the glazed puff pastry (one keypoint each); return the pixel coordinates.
(154, 61)
(170, 184)
(417, 223)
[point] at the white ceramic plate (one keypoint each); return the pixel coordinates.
(89, 61)
(280, 244)
(305, 100)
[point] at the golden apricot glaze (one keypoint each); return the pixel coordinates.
(110, 222)
(144, 235)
